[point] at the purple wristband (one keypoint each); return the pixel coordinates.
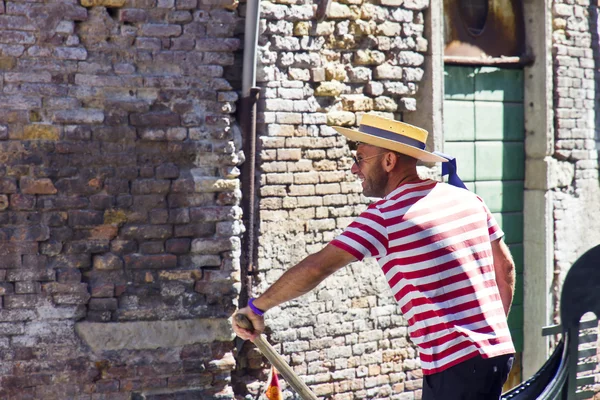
(255, 309)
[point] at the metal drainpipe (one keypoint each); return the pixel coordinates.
(248, 124)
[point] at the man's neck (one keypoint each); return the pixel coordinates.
(402, 178)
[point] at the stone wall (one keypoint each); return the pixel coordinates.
(119, 198)
(576, 47)
(347, 338)
(575, 164)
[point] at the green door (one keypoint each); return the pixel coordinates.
(484, 130)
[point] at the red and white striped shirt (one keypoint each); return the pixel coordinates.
(433, 243)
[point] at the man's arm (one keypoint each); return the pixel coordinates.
(504, 268)
(298, 280)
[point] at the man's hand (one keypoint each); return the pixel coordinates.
(257, 322)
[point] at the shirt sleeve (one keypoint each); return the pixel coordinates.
(367, 236)
(494, 229)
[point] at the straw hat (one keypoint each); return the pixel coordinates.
(392, 135)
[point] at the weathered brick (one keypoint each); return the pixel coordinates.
(160, 30)
(24, 300)
(114, 134)
(33, 233)
(31, 380)
(142, 232)
(186, 4)
(85, 218)
(176, 134)
(11, 329)
(179, 216)
(103, 316)
(61, 234)
(184, 276)
(165, 3)
(159, 261)
(213, 246)
(116, 186)
(72, 261)
(81, 116)
(86, 246)
(50, 248)
(63, 202)
(71, 53)
(178, 246)
(194, 230)
(153, 134)
(64, 287)
(22, 202)
(103, 3)
(158, 216)
(190, 380)
(103, 304)
(101, 232)
(71, 298)
(8, 185)
(20, 103)
(76, 149)
(107, 262)
(133, 15)
(154, 247)
(153, 119)
(149, 186)
(68, 275)
(144, 43)
(7, 63)
(37, 186)
(212, 214)
(123, 246)
(167, 171)
(6, 288)
(180, 17)
(102, 201)
(102, 289)
(41, 132)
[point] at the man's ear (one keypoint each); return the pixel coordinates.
(390, 161)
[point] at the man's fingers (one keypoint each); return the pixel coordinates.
(242, 331)
(243, 321)
(244, 334)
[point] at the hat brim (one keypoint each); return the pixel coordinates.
(402, 148)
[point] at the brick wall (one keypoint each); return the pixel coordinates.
(119, 197)
(576, 94)
(347, 338)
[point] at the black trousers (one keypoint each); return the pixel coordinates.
(477, 378)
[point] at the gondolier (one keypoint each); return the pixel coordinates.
(441, 252)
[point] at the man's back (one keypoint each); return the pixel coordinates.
(433, 243)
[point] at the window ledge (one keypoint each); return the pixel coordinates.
(523, 60)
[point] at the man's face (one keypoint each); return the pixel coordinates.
(369, 169)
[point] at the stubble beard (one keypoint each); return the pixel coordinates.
(375, 184)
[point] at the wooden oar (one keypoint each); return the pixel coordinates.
(275, 358)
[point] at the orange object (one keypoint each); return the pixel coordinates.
(274, 390)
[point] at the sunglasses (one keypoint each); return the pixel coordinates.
(357, 160)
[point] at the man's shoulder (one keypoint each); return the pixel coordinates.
(401, 199)
(428, 194)
(408, 192)
(447, 189)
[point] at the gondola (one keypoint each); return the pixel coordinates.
(557, 378)
(549, 378)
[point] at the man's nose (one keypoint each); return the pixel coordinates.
(354, 168)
